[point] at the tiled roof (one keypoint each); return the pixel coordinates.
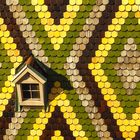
(91, 52)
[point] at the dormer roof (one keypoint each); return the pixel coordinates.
(33, 67)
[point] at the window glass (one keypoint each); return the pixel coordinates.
(26, 95)
(34, 86)
(25, 87)
(30, 91)
(35, 94)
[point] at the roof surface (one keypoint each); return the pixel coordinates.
(90, 50)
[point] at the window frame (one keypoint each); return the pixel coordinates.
(30, 90)
(30, 102)
(29, 75)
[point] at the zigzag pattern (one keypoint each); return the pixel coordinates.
(93, 48)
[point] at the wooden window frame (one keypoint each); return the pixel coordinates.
(30, 90)
(30, 76)
(31, 102)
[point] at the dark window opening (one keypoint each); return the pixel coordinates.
(30, 91)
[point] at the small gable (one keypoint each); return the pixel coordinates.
(30, 80)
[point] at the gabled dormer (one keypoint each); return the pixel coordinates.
(29, 81)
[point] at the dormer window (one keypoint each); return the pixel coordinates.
(30, 91)
(30, 81)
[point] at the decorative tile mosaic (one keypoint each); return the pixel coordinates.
(92, 50)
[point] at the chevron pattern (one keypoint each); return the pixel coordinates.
(93, 47)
